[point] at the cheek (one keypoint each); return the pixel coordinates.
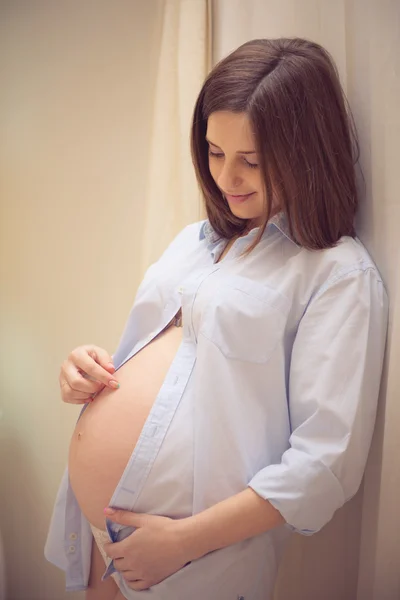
(255, 178)
(254, 182)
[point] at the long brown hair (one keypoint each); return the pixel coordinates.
(304, 132)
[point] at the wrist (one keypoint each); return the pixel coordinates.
(189, 541)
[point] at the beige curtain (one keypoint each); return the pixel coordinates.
(172, 200)
(357, 555)
(92, 93)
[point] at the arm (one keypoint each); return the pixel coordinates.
(228, 522)
(335, 373)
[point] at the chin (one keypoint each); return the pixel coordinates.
(243, 214)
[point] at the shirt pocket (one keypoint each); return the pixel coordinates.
(245, 319)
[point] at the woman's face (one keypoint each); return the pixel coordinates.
(234, 164)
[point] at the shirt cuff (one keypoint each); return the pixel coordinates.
(302, 489)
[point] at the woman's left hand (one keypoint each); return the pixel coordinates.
(153, 552)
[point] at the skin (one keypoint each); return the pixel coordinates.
(234, 163)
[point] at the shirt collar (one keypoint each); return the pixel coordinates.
(279, 221)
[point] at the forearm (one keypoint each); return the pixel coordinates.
(235, 519)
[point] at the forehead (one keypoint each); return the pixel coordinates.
(230, 129)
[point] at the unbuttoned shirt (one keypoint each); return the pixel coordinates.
(274, 386)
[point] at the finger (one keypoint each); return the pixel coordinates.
(126, 517)
(83, 361)
(77, 380)
(102, 357)
(71, 396)
(114, 550)
(121, 565)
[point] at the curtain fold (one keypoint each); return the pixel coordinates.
(357, 555)
(172, 199)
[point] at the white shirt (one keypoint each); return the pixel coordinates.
(274, 386)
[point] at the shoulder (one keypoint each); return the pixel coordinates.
(186, 239)
(346, 291)
(196, 230)
(350, 254)
(351, 277)
(348, 259)
(343, 273)
(192, 233)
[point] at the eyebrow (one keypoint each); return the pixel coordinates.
(238, 152)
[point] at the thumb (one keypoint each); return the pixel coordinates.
(124, 517)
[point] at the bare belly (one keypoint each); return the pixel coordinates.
(107, 432)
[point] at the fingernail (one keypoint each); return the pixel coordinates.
(111, 366)
(109, 511)
(114, 384)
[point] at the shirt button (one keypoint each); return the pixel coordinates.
(73, 536)
(71, 549)
(180, 290)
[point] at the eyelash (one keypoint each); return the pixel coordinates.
(219, 155)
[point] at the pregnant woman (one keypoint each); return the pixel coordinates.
(240, 403)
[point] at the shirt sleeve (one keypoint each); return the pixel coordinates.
(334, 382)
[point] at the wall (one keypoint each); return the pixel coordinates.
(357, 555)
(75, 105)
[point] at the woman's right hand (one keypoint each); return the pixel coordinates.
(87, 370)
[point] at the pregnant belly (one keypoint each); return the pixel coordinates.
(107, 432)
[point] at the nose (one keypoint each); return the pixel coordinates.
(229, 179)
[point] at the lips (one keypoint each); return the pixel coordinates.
(239, 198)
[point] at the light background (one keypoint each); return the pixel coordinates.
(94, 181)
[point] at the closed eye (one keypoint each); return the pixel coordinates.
(220, 155)
(215, 154)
